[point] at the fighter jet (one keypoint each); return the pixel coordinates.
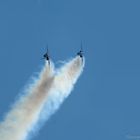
(46, 56)
(80, 53)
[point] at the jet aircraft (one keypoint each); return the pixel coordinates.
(46, 56)
(80, 53)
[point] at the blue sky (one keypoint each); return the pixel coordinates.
(105, 102)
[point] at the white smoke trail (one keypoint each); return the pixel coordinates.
(44, 96)
(25, 112)
(64, 81)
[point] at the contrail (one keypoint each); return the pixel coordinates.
(65, 78)
(25, 112)
(41, 100)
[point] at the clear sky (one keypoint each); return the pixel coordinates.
(105, 104)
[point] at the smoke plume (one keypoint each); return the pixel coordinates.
(41, 99)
